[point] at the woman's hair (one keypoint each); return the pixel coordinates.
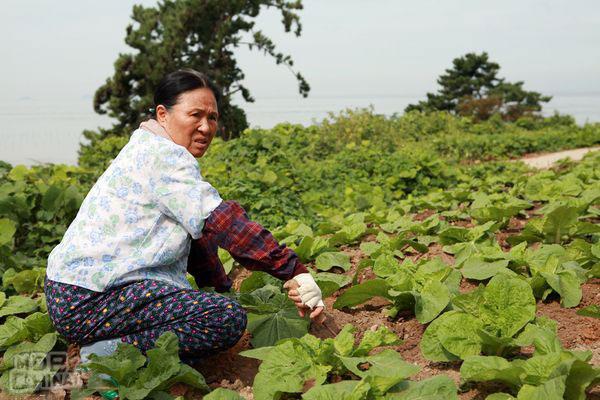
(174, 84)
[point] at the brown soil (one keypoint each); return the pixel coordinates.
(423, 215)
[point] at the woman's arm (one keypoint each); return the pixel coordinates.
(255, 248)
(248, 242)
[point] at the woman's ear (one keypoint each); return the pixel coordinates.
(161, 114)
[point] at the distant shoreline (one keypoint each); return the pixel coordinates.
(36, 132)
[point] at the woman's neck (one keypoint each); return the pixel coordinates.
(153, 126)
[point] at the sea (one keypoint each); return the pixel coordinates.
(35, 131)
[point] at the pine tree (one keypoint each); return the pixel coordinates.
(198, 34)
(471, 88)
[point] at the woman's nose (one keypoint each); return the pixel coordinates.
(204, 126)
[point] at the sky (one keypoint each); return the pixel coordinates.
(62, 51)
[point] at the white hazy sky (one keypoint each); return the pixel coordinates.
(63, 50)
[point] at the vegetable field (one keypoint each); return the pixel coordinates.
(443, 279)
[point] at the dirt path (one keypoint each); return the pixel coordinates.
(544, 161)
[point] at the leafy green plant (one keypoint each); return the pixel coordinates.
(551, 373)
(484, 320)
(552, 270)
(590, 311)
(26, 281)
(425, 287)
(141, 377)
(271, 316)
(16, 329)
(557, 226)
(292, 364)
(23, 367)
(497, 207)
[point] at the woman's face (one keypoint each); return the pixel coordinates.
(192, 121)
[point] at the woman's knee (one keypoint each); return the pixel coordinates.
(235, 320)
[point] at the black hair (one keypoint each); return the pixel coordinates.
(174, 84)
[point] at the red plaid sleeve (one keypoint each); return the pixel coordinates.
(248, 242)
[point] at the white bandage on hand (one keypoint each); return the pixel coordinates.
(309, 291)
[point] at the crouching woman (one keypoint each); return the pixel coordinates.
(119, 273)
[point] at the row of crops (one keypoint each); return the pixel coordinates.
(467, 251)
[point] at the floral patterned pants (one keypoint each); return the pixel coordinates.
(139, 312)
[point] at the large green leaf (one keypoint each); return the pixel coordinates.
(350, 233)
(458, 334)
(385, 265)
(329, 282)
(122, 365)
(431, 301)
(286, 369)
(590, 311)
(508, 305)
(23, 365)
(431, 345)
(328, 260)
(18, 305)
(257, 280)
(552, 389)
(435, 388)
(490, 368)
(163, 370)
(14, 330)
(358, 294)
(479, 269)
(310, 247)
(386, 369)
(27, 281)
(542, 334)
(581, 376)
(344, 390)
(271, 317)
(7, 231)
(559, 222)
(565, 283)
(383, 336)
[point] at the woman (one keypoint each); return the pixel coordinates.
(119, 272)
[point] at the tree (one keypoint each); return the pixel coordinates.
(198, 34)
(472, 88)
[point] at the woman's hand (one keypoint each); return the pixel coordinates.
(306, 295)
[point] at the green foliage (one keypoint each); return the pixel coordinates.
(326, 261)
(552, 372)
(271, 316)
(590, 311)
(15, 329)
(485, 319)
(97, 157)
(329, 282)
(223, 394)
(23, 367)
(139, 377)
(194, 34)
(36, 206)
(27, 281)
(425, 287)
(357, 160)
(551, 270)
(471, 88)
(293, 363)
